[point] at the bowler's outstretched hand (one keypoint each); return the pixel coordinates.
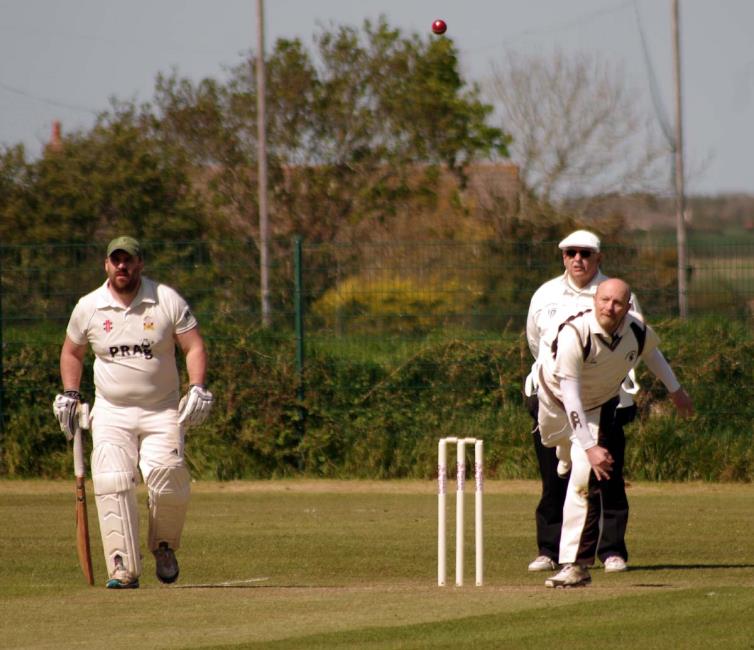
(601, 462)
(683, 403)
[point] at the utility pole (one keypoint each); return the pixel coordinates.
(680, 201)
(264, 227)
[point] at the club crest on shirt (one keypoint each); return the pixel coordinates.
(148, 323)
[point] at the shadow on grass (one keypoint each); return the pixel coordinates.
(252, 583)
(682, 567)
(223, 586)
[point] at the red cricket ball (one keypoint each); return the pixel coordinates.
(439, 26)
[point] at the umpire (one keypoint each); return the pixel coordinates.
(555, 300)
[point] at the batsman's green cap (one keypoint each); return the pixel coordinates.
(127, 244)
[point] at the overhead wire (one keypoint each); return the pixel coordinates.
(46, 100)
(654, 87)
(569, 24)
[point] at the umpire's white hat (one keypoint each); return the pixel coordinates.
(581, 239)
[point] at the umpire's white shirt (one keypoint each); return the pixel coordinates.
(134, 346)
(553, 302)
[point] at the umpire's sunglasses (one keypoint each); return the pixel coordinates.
(585, 253)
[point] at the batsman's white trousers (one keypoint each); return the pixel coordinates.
(582, 511)
(150, 438)
(152, 441)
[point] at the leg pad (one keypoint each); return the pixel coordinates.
(115, 496)
(169, 492)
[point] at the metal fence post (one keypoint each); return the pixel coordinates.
(2, 353)
(298, 302)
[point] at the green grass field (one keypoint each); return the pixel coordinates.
(330, 564)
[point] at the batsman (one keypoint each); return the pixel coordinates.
(138, 423)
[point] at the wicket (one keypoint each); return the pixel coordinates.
(442, 475)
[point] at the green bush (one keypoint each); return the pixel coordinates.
(388, 302)
(380, 415)
(714, 359)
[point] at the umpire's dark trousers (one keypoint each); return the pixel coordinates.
(549, 513)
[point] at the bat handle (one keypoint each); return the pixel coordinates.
(82, 422)
(83, 415)
(78, 454)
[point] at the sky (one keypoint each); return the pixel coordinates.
(65, 60)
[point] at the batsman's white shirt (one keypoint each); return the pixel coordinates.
(134, 346)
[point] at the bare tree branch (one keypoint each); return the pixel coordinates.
(578, 130)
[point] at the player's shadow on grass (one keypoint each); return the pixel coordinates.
(682, 567)
(223, 586)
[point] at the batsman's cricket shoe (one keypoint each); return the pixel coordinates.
(571, 575)
(543, 563)
(120, 578)
(614, 564)
(166, 564)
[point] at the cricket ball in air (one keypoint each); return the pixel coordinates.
(439, 26)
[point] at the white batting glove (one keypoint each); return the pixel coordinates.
(195, 406)
(64, 407)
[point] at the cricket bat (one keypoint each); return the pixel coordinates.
(82, 523)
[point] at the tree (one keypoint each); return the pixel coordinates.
(576, 127)
(356, 130)
(116, 178)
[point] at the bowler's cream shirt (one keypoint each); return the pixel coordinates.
(580, 349)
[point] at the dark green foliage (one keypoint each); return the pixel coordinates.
(714, 358)
(33, 444)
(118, 178)
(380, 415)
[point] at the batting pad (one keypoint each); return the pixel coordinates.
(115, 497)
(169, 492)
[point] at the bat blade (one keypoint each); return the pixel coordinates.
(82, 532)
(82, 522)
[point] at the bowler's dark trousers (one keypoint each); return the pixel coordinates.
(549, 513)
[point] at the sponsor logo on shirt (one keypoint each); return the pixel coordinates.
(107, 325)
(143, 349)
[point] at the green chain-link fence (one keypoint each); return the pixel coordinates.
(360, 296)
(405, 288)
(357, 329)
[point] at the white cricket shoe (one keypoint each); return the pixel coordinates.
(120, 578)
(543, 563)
(165, 563)
(571, 575)
(615, 564)
(563, 452)
(564, 466)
